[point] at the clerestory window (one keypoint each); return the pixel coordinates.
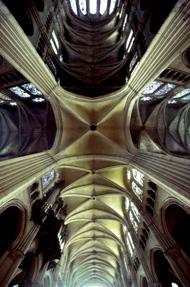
(93, 7)
(136, 181)
(133, 213)
(130, 244)
(48, 178)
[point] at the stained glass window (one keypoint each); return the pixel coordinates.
(133, 213)
(61, 239)
(38, 100)
(133, 61)
(133, 221)
(48, 178)
(174, 284)
(165, 89)
(32, 89)
(138, 176)
(103, 6)
(127, 203)
(125, 21)
(19, 92)
(73, 6)
(93, 6)
(137, 190)
(146, 98)
(112, 6)
(182, 93)
(131, 44)
(55, 39)
(152, 87)
(129, 39)
(130, 244)
(53, 46)
(129, 175)
(82, 5)
(13, 103)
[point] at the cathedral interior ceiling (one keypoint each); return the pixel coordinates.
(94, 186)
(92, 154)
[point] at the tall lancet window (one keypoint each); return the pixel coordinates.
(103, 6)
(73, 6)
(112, 5)
(48, 178)
(130, 244)
(93, 7)
(82, 5)
(133, 213)
(136, 181)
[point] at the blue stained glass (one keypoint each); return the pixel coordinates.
(165, 89)
(152, 87)
(32, 89)
(48, 178)
(182, 93)
(19, 92)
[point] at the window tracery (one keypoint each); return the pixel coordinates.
(93, 7)
(105, 6)
(82, 5)
(157, 89)
(130, 244)
(130, 41)
(48, 178)
(170, 108)
(32, 89)
(73, 6)
(133, 61)
(112, 6)
(27, 91)
(19, 92)
(136, 181)
(134, 215)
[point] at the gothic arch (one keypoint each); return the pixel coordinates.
(163, 270)
(176, 222)
(144, 282)
(13, 223)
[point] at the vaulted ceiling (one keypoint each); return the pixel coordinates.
(93, 59)
(94, 169)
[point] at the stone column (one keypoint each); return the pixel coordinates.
(15, 256)
(170, 172)
(17, 49)
(140, 253)
(178, 263)
(172, 253)
(18, 172)
(171, 39)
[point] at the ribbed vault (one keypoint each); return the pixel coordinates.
(91, 165)
(93, 58)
